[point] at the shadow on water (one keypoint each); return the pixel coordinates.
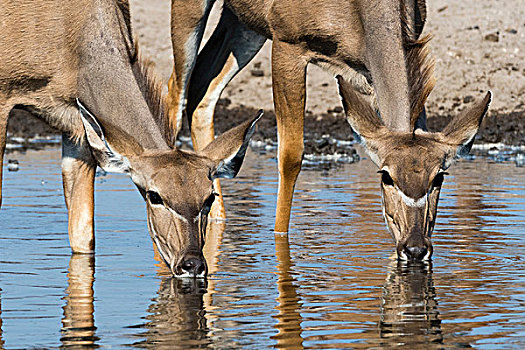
(288, 301)
(409, 310)
(78, 323)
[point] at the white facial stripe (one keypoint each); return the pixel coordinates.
(197, 218)
(411, 202)
(177, 215)
(385, 218)
(155, 237)
(186, 274)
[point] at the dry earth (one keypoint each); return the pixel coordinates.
(477, 46)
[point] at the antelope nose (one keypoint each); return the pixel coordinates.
(416, 253)
(193, 266)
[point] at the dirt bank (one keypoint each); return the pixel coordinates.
(504, 128)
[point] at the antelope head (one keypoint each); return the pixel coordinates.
(177, 186)
(412, 167)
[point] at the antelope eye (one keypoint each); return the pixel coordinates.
(438, 180)
(154, 198)
(386, 179)
(207, 204)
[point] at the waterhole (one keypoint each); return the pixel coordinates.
(332, 283)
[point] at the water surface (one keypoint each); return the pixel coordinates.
(333, 283)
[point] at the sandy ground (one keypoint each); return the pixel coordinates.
(477, 45)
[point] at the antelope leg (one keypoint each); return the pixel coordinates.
(78, 176)
(289, 94)
(188, 21)
(230, 48)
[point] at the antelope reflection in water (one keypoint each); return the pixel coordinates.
(177, 317)
(78, 323)
(409, 310)
(288, 301)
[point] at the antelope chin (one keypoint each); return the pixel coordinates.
(427, 256)
(188, 275)
(402, 256)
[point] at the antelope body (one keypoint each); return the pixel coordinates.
(67, 61)
(376, 46)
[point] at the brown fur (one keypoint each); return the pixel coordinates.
(470, 119)
(152, 90)
(356, 106)
(150, 84)
(419, 66)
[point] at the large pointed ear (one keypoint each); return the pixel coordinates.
(228, 150)
(461, 130)
(106, 157)
(366, 124)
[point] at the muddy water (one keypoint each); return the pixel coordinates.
(332, 284)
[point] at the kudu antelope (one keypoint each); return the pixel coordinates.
(59, 56)
(376, 46)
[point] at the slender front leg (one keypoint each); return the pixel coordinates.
(188, 21)
(289, 95)
(78, 176)
(230, 48)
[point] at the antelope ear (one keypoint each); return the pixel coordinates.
(106, 158)
(460, 132)
(366, 125)
(228, 150)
